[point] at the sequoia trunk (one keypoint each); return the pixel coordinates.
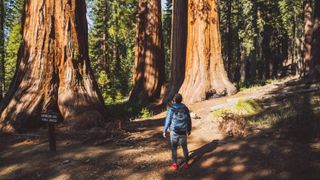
(149, 55)
(205, 73)
(179, 45)
(53, 70)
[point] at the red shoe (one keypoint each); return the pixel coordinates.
(174, 166)
(186, 166)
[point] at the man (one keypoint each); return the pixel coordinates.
(179, 122)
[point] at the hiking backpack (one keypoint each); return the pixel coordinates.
(180, 119)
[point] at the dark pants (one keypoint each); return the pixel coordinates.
(175, 140)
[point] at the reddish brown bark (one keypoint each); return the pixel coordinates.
(205, 72)
(178, 47)
(53, 70)
(149, 56)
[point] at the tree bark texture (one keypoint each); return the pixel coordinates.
(307, 34)
(266, 50)
(2, 52)
(53, 70)
(255, 56)
(179, 46)
(205, 73)
(315, 62)
(149, 54)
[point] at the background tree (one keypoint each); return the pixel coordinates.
(307, 33)
(166, 28)
(267, 39)
(12, 47)
(12, 38)
(178, 47)
(53, 70)
(2, 50)
(111, 46)
(315, 71)
(205, 72)
(149, 57)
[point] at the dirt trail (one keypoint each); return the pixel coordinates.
(142, 153)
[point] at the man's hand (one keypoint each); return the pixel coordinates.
(188, 133)
(164, 134)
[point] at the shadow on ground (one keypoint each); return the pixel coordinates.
(288, 149)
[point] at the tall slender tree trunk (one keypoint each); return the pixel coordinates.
(104, 58)
(307, 34)
(267, 32)
(243, 64)
(149, 54)
(294, 43)
(229, 36)
(178, 47)
(53, 70)
(255, 56)
(237, 73)
(315, 61)
(205, 72)
(2, 51)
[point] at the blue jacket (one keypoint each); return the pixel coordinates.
(170, 116)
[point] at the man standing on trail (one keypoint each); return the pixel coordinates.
(179, 122)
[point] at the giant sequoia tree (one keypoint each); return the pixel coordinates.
(53, 70)
(149, 56)
(205, 73)
(178, 47)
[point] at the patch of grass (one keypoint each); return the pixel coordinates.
(269, 81)
(247, 107)
(250, 87)
(295, 117)
(246, 85)
(221, 112)
(277, 114)
(242, 86)
(236, 116)
(241, 108)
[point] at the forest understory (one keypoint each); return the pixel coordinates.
(281, 142)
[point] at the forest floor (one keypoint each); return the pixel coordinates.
(285, 146)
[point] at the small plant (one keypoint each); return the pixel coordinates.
(247, 107)
(241, 108)
(145, 113)
(232, 121)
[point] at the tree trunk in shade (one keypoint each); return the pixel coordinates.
(315, 60)
(179, 45)
(307, 34)
(53, 72)
(149, 54)
(205, 73)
